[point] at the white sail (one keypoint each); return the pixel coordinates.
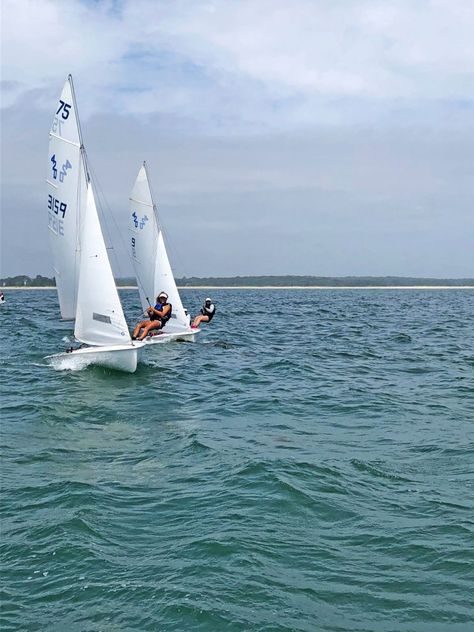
(99, 316)
(149, 256)
(66, 197)
(144, 229)
(164, 280)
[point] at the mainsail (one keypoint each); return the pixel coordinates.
(148, 252)
(66, 189)
(99, 318)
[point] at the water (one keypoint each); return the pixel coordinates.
(307, 465)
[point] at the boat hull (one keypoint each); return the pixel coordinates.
(188, 335)
(117, 357)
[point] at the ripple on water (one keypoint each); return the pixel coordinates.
(317, 477)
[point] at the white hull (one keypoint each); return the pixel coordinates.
(188, 335)
(118, 357)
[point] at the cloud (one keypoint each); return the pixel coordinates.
(328, 137)
(247, 65)
(329, 202)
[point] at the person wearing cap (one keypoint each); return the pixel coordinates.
(158, 317)
(207, 314)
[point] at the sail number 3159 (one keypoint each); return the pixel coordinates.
(56, 206)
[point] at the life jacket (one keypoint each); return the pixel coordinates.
(164, 319)
(209, 311)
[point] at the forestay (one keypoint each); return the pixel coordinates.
(148, 253)
(66, 189)
(99, 318)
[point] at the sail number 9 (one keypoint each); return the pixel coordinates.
(65, 107)
(56, 206)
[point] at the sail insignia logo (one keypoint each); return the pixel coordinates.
(139, 223)
(63, 173)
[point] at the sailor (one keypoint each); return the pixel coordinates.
(158, 317)
(207, 314)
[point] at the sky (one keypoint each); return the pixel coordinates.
(323, 137)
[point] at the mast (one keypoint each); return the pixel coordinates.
(79, 129)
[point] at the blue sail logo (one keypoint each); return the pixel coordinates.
(139, 223)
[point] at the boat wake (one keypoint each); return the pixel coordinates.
(69, 362)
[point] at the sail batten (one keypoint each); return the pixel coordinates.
(64, 140)
(142, 202)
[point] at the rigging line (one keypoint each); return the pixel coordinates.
(160, 225)
(139, 283)
(80, 213)
(174, 251)
(159, 219)
(157, 214)
(106, 213)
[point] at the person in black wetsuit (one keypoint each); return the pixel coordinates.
(207, 314)
(158, 317)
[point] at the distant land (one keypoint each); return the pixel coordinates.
(265, 281)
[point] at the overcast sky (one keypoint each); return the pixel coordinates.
(326, 137)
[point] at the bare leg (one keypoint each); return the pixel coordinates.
(200, 319)
(148, 327)
(140, 326)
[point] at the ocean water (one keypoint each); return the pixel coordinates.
(307, 465)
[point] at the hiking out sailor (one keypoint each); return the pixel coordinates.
(207, 314)
(158, 316)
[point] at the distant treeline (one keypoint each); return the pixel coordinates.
(23, 280)
(307, 281)
(259, 281)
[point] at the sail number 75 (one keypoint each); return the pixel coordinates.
(65, 107)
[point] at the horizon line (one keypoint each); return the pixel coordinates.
(271, 287)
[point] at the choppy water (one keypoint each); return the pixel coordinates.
(306, 467)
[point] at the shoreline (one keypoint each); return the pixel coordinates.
(275, 287)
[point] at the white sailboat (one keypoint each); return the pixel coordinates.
(151, 264)
(86, 287)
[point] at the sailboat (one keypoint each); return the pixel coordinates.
(151, 263)
(84, 279)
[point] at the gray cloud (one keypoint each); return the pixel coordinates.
(246, 64)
